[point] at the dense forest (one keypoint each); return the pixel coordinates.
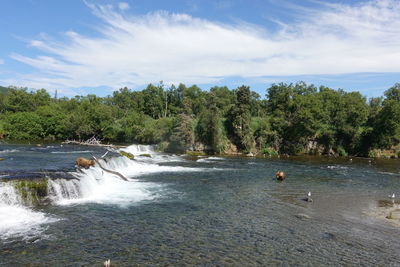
(291, 119)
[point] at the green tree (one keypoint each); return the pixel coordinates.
(182, 137)
(393, 93)
(240, 118)
(209, 129)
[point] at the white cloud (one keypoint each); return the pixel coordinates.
(133, 51)
(123, 6)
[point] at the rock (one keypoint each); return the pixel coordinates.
(394, 215)
(308, 199)
(302, 216)
(250, 154)
(32, 192)
(2, 159)
(127, 154)
(329, 236)
(145, 155)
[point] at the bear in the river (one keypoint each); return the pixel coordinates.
(85, 163)
(280, 176)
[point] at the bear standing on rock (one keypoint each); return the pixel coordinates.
(85, 163)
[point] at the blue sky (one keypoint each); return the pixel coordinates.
(80, 47)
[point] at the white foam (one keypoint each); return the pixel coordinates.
(17, 220)
(210, 159)
(216, 158)
(139, 149)
(8, 151)
(98, 186)
(71, 152)
(332, 167)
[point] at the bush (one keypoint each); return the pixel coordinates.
(24, 126)
(270, 151)
(342, 152)
(373, 153)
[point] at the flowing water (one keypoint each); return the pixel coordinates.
(207, 211)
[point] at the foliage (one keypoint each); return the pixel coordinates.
(342, 152)
(240, 118)
(181, 118)
(24, 126)
(269, 151)
(209, 127)
(182, 136)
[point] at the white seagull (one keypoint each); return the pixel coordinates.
(309, 194)
(392, 196)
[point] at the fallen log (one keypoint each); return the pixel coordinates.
(73, 142)
(90, 142)
(110, 171)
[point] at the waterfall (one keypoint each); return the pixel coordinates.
(8, 195)
(140, 149)
(20, 216)
(16, 219)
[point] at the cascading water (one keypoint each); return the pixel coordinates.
(15, 218)
(140, 149)
(98, 186)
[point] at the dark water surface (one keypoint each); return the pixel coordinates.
(208, 212)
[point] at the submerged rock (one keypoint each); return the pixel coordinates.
(307, 199)
(145, 155)
(2, 159)
(329, 236)
(394, 215)
(385, 203)
(302, 216)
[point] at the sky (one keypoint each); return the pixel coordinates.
(86, 46)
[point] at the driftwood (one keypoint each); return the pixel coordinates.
(93, 141)
(107, 170)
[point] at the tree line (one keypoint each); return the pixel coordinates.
(292, 118)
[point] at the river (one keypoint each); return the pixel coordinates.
(204, 211)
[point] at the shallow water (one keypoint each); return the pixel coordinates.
(209, 211)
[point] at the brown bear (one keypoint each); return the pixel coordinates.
(280, 176)
(85, 163)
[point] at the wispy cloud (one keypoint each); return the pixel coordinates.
(123, 6)
(1, 61)
(222, 4)
(132, 51)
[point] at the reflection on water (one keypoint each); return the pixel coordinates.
(213, 211)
